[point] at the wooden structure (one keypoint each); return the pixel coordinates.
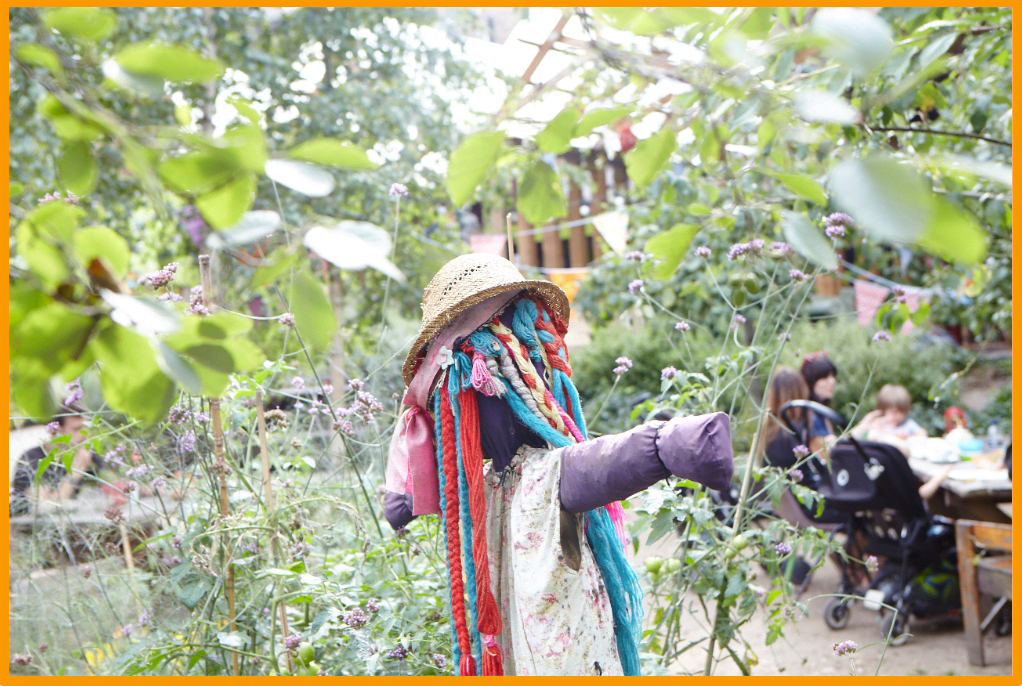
(983, 576)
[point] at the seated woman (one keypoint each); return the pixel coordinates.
(54, 483)
(820, 376)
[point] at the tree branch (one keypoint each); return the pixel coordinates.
(960, 134)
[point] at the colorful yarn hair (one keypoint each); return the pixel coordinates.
(496, 360)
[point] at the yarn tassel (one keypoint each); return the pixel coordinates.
(617, 516)
(482, 380)
(493, 657)
(467, 667)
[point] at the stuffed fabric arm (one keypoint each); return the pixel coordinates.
(615, 467)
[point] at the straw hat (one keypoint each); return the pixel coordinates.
(465, 281)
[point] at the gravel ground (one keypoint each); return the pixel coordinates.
(936, 648)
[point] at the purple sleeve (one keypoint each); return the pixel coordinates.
(615, 467)
(397, 508)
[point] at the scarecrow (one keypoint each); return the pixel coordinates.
(494, 441)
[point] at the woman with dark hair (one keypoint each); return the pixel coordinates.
(820, 376)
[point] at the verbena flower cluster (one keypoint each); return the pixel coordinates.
(623, 365)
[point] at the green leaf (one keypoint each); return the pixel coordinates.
(196, 173)
(14, 189)
(819, 106)
(954, 234)
(40, 56)
(649, 156)
(314, 315)
(78, 170)
(252, 227)
(801, 185)
(276, 263)
(540, 197)
(183, 114)
(470, 163)
(808, 240)
(935, 48)
(44, 261)
(51, 334)
(147, 316)
(176, 368)
(332, 153)
(354, 246)
(171, 62)
(686, 16)
(618, 17)
(556, 136)
(130, 379)
(66, 125)
(670, 246)
(889, 200)
(698, 209)
(99, 241)
(856, 38)
(759, 23)
(226, 205)
(57, 219)
(591, 120)
(87, 23)
(247, 145)
(140, 83)
(774, 631)
(245, 109)
(301, 176)
(960, 165)
(212, 355)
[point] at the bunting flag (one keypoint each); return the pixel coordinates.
(613, 226)
(491, 243)
(870, 296)
(570, 280)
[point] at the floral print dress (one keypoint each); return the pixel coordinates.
(554, 607)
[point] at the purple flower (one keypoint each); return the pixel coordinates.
(800, 451)
(170, 296)
(201, 417)
(292, 642)
(634, 255)
(86, 572)
(439, 660)
(53, 428)
(356, 384)
(372, 606)
(187, 442)
(784, 337)
(797, 275)
(623, 365)
(43, 647)
(845, 648)
(196, 305)
(194, 224)
(127, 629)
(835, 231)
(635, 286)
(321, 672)
(174, 561)
(356, 618)
(872, 564)
(881, 336)
(782, 548)
(398, 653)
(737, 250)
(146, 618)
(668, 373)
(702, 251)
(161, 277)
(266, 612)
(756, 245)
(781, 247)
(838, 219)
(398, 189)
(345, 427)
(159, 482)
(328, 389)
(49, 197)
(22, 659)
(286, 319)
(796, 475)
(682, 326)
(298, 382)
(71, 198)
(737, 321)
(176, 541)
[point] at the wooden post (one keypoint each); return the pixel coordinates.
(528, 254)
(599, 202)
(578, 246)
(553, 248)
(220, 468)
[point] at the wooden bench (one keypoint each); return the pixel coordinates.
(978, 576)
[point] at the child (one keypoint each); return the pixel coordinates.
(890, 418)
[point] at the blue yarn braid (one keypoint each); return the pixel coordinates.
(455, 650)
(454, 386)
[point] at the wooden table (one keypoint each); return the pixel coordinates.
(961, 497)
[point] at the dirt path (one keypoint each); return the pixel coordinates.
(936, 649)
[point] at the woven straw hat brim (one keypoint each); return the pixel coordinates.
(551, 294)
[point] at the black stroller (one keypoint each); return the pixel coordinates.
(873, 484)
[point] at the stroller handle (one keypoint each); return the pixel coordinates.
(816, 407)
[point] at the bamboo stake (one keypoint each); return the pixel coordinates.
(264, 451)
(220, 468)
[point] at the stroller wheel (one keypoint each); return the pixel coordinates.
(837, 613)
(895, 626)
(1002, 625)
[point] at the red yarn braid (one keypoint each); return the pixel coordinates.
(452, 516)
(488, 616)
